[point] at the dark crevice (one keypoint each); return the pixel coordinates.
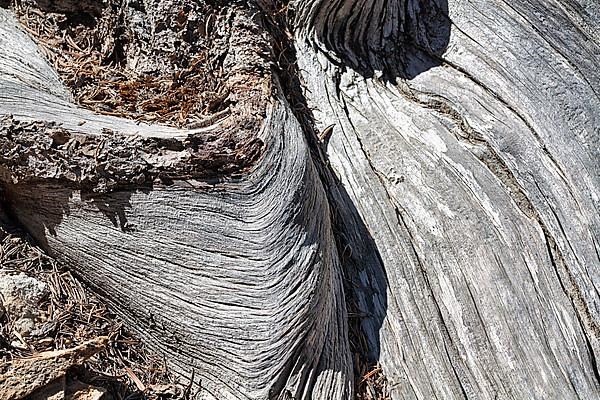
(575, 297)
(572, 291)
(400, 219)
(505, 103)
(491, 158)
(344, 216)
(496, 165)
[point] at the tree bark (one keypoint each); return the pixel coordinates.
(453, 205)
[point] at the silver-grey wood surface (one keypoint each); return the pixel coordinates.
(464, 176)
(476, 169)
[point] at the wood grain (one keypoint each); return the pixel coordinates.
(459, 197)
(236, 280)
(477, 174)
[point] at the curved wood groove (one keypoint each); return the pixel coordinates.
(479, 184)
(463, 174)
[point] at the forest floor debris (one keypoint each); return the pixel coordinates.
(88, 49)
(68, 334)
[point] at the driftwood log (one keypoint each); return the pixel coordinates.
(432, 166)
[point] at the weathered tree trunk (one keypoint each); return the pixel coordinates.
(459, 194)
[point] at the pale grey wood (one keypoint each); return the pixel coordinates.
(463, 174)
(477, 172)
(237, 283)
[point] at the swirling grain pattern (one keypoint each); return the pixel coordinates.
(479, 180)
(464, 176)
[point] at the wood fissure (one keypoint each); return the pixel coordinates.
(392, 200)
(460, 148)
(374, 386)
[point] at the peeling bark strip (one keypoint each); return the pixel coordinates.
(38, 151)
(463, 177)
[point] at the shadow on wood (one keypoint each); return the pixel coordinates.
(392, 39)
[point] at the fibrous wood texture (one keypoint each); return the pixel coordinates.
(476, 169)
(238, 282)
(458, 195)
